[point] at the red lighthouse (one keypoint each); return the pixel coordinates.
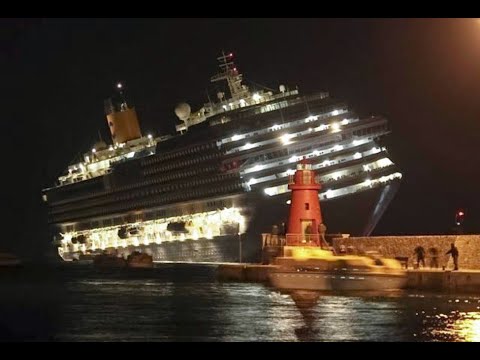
(305, 223)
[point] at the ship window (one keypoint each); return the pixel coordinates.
(307, 206)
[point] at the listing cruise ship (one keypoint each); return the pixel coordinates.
(206, 193)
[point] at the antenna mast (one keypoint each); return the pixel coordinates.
(230, 73)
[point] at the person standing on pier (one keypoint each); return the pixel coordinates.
(420, 252)
(454, 252)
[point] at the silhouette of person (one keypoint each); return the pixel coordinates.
(322, 229)
(454, 252)
(420, 253)
(433, 257)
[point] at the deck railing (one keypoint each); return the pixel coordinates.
(303, 239)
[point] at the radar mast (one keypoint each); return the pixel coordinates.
(230, 73)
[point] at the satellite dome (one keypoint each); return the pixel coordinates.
(183, 111)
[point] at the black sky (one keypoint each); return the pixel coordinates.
(422, 74)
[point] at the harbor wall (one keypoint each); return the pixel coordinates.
(403, 247)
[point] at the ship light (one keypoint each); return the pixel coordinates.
(209, 234)
(329, 193)
(357, 155)
(149, 136)
(225, 107)
(335, 127)
(252, 181)
(336, 176)
(335, 112)
(242, 102)
(110, 148)
(276, 127)
(135, 241)
(285, 139)
(195, 235)
(256, 97)
(288, 202)
(345, 122)
(236, 137)
(119, 85)
(384, 162)
(368, 182)
(375, 149)
(66, 238)
(94, 150)
(257, 168)
(248, 146)
(311, 118)
(270, 191)
(356, 142)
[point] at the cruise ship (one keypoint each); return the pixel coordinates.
(206, 193)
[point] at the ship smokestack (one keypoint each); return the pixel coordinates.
(121, 117)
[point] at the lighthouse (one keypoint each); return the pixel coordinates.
(305, 224)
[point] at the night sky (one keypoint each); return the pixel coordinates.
(422, 74)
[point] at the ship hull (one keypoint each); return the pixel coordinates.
(355, 214)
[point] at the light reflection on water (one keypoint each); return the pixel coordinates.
(188, 304)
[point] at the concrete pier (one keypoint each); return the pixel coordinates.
(403, 247)
(439, 280)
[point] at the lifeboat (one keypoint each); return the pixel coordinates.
(316, 269)
(139, 260)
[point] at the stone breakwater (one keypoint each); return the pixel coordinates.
(403, 247)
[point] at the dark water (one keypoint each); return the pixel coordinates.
(186, 303)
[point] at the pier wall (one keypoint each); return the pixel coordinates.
(403, 246)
